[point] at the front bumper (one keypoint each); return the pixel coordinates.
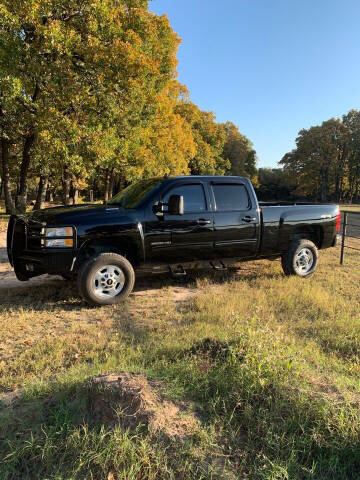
(54, 262)
(28, 257)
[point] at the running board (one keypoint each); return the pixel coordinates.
(182, 268)
(220, 267)
(178, 271)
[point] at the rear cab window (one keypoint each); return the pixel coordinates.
(230, 196)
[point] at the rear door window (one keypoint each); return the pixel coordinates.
(231, 196)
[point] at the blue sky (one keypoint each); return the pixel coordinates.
(272, 67)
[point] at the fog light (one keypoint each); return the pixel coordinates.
(30, 267)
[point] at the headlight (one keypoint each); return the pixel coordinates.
(54, 233)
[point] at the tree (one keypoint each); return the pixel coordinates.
(240, 152)
(209, 138)
(168, 145)
(319, 161)
(351, 122)
(88, 96)
(273, 185)
(80, 71)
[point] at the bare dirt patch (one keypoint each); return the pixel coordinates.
(8, 399)
(131, 399)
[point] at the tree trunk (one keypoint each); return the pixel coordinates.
(119, 183)
(4, 150)
(9, 204)
(66, 186)
(324, 184)
(75, 195)
(111, 185)
(106, 185)
(357, 191)
(341, 190)
(25, 163)
(337, 186)
(41, 193)
(21, 197)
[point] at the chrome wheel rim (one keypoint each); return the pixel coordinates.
(304, 260)
(108, 281)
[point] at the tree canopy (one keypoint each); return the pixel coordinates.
(325, 165)
(239, 150)
(89, 100)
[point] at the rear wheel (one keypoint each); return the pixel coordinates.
(106, 279)
(301, 259)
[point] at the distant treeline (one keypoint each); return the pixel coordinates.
(325, 165)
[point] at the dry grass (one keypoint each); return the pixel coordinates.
(3, 223)
(355, 208)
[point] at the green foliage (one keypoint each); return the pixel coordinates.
(86, 78)
(239, 151)
(88, 89)
(209, 138)
(273, 185)
(326, 162)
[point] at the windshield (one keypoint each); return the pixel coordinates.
(134, 194)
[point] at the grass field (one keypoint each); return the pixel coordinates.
(272, 364)
(354, 208)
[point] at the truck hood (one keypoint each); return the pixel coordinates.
(77, 214)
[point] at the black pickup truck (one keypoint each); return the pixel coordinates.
(167, 224)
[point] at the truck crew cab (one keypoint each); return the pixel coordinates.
(167, 224)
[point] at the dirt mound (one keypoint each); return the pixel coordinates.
(130, 399)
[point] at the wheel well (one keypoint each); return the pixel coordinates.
(314, 233)
(124, 247)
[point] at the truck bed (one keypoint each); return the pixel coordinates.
(279, 219)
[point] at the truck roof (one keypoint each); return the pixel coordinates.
(208, 177)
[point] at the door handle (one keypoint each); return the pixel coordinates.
(202, 221)
(249, 219)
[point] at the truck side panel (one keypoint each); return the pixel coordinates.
(281, 223)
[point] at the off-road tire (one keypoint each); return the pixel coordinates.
(289, 259)
(85, 278)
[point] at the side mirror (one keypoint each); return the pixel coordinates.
(176, 205)
(158, 208)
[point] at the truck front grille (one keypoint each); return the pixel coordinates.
(22, 237)
(34, 237)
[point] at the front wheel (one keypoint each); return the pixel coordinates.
(301, 259)
(106, 279)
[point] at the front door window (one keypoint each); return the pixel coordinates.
(194, 197)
